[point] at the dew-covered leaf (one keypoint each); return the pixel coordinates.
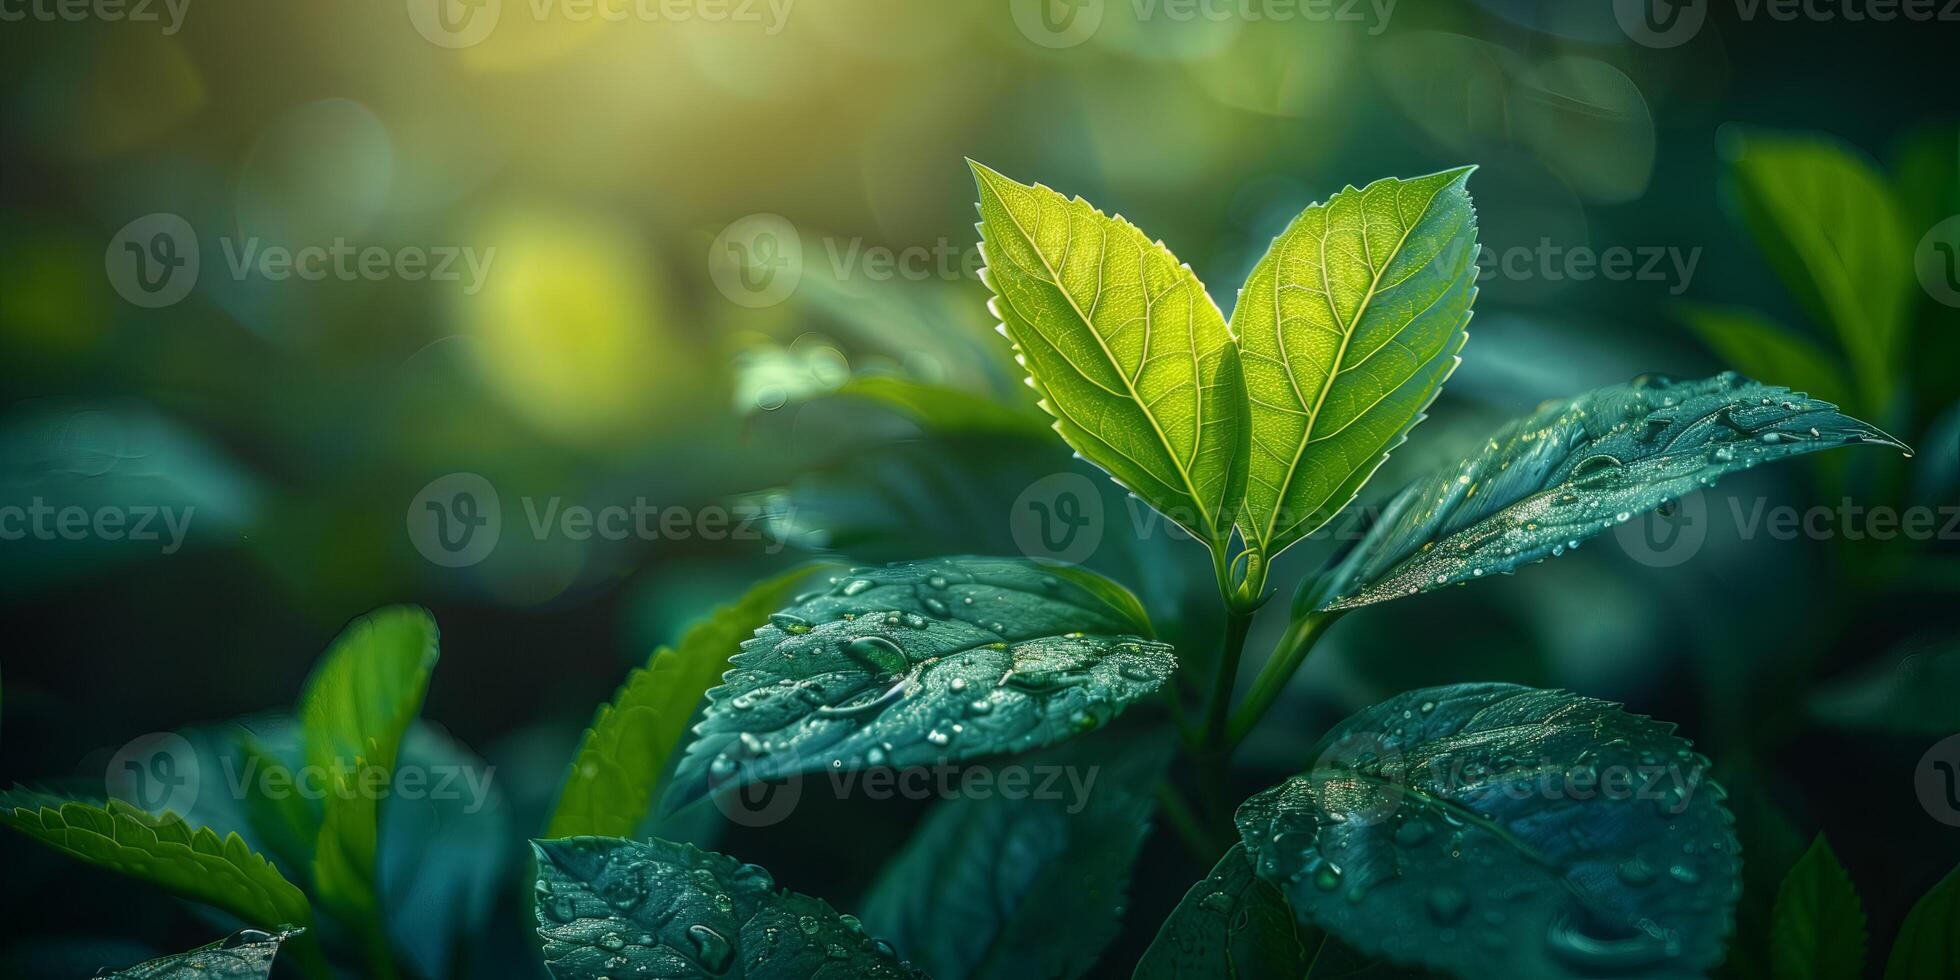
(1817, 930)
(193, 862)
(609, 787)
(1347, 329)
(1231, 924)
(354, 710)
(1495, 830)
(922, 663)
(1025, 873)
(1571, 470)
(1125, 348)
(245, 955)
(1928, 944)
(617, 908)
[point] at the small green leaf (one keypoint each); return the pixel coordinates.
(1928, 945)
(1817, 930)
(162, 850)
(1570, 470)
(1347, 329)
(1494, 830)
(1232, 924)
(245, 955)
(609, 787)
(921, 663)
(1027, 878)
(353, 713)
(619, 908)
(1761, 348)
(1125, 348)
(1831, 227)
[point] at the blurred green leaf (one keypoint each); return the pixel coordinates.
(1760, 348)
(354, 711)
(1910, 695)
(1125, 348)
(919, 664)
(612, 781)
(1818, 930)
(1231, 924)
(941, 409)
(246, 955)
(1009, 885)
(1347, 329)
(1571, 470)
(609, 907)
(1928, 945)
(1772, 846)
(162, 850)
(1429, 810)
(1831, 227)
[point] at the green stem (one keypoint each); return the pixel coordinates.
(1280, 667)
(1238, 622)
(1179, 815)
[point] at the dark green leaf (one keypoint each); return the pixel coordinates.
(1571, 470)
(246, 955)
(1232, 924)
(1128, 352)
(1347, 329)
(163, 850)
(609, 787)
(921, 663)
(1911, 695)
(353, 713)
(1928, 945)
(1818, 926)
(1771, 846)
(1494, 830)
(1025, 879)
(617, 908)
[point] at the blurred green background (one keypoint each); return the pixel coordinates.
(613, 177)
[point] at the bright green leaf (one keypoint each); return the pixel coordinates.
(1125, 348)
(164, 851)
(619, 908)
(1817, 930)
(246, 955)
(1347, 329)
(1831, 227)
(1571, 470)
(1231, 924)
(921, 663)
(1011, 884)
(1492, 830)
(1928, 944)
(1761, 348)
(361, 699)
(609, 787)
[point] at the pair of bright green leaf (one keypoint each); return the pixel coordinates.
(1818, 926)
(1342, 335)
